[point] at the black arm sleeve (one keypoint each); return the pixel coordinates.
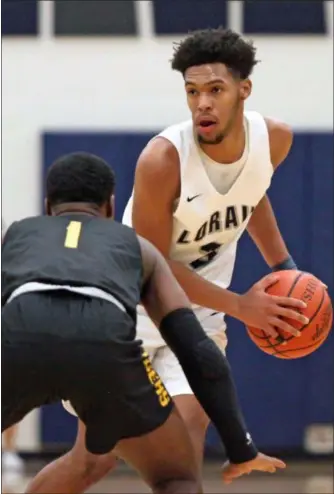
(210, 378)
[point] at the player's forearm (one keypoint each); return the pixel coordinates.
(203, 292)
(265, 233)
(210, 377)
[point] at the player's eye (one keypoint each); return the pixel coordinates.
(216, 90)
(192, 92)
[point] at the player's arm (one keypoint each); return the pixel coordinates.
(206, 368)
(263, 227)
(157, 186)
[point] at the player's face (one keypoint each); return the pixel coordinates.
(215, 98)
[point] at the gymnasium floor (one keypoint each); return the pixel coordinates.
(302, 478)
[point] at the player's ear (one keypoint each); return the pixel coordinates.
(47, 207)
(245, 89)
(111, 207)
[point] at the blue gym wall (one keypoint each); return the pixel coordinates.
(279, 398)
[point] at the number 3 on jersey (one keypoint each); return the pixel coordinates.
(73, 231)
(209, 252)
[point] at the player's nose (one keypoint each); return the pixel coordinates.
(204, 103)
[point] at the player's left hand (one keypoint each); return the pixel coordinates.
(262, 463)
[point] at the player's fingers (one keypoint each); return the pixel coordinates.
(266, 466)
(228, 477)
(278, 463)
(290, 302)
(292, 314)
(271, 469)
(227, 480)
(268, 281)
(285, 326)
(270, 329)
(271, 464)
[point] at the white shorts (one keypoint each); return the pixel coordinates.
(163, 359)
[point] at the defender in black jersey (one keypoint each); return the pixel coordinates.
(71, 282)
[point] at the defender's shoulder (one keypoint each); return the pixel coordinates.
(27, 222)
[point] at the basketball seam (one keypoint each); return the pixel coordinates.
(274, 346)
(308, 346)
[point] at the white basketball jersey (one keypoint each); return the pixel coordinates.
(208, 224)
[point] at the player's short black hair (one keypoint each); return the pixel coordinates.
(79, 177)
(215, 46)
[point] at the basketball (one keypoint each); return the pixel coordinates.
(319, 310)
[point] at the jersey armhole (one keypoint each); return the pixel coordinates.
(259, 121)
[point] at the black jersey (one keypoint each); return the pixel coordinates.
(76, 250)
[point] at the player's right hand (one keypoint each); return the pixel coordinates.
(263, 311)
(262, 463)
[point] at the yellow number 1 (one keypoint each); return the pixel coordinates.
(73, 234)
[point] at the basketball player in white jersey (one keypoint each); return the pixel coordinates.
(198, 186)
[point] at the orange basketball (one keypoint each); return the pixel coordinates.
(308, 288)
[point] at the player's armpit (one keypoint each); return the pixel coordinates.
(280, 140)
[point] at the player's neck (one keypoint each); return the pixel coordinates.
(76, 208)
(230, 149)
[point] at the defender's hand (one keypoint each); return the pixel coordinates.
(263, 311)
(261, 463)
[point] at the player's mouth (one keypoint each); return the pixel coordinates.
(205, 125)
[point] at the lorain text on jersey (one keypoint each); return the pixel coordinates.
(218, 221)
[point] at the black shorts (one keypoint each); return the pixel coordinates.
(63, 346)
